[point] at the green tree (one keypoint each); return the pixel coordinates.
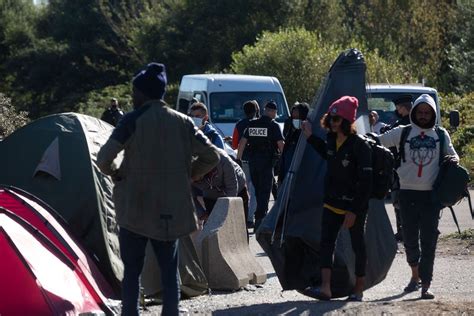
(195, 36)
(300, 60)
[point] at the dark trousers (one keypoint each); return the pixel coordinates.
(330, 226)
(420, 219)
(209, 203)
(261, 171)
(132, 251)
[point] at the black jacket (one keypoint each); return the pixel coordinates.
(348, 179)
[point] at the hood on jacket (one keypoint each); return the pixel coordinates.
(424, 98)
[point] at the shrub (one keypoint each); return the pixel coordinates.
(10, 119)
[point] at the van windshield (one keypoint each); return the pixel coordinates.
(382, 102)
(226, 107)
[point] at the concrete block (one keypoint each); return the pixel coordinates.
(223, 249)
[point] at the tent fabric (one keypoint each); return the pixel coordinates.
(49, 163)
(290, 233)
(37, 279)
(83, 195)
(47, 222)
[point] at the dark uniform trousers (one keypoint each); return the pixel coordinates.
(261, 172)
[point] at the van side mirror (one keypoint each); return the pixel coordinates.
(454, 119)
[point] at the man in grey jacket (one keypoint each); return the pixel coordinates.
(226, 179)
(164, 151)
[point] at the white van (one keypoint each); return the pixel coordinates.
(380, 98)
(224, 95)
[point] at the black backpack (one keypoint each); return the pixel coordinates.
(383, 164)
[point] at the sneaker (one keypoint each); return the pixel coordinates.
(412, 286)
(355, 297)
(250, 224)
(426, 294)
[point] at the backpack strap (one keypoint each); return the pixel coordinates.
(403, 139)
(442, 140)
(455, 218)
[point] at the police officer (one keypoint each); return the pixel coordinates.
(264, 142)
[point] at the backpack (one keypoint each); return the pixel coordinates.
(450, 185)
(383, 164)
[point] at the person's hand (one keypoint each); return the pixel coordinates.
(307, 128)
(349, 220)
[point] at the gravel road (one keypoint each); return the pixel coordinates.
(453, 286)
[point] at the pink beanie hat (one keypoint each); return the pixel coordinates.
(345, 107)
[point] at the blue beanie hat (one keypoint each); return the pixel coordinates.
(151, 81)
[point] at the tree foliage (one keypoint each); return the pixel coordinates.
(300, 60)
(61, 56)
(10, 119)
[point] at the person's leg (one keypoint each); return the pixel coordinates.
(252, 206)
(132, 251)
(410, 215)
(262, 174)
(357, 233)
(429, 237)
(167, 255)
(245, 200)
(330, 225)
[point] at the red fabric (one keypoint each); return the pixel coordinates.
(345, 107)
(35, 280)
(33, 212)
(235, 139)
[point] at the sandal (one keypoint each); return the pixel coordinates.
(315, 292)
(355, 297)
(412, 286)
(426, 294)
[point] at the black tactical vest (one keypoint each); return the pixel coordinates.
(260, 138)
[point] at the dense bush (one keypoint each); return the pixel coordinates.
(10, 119)
(463, 137)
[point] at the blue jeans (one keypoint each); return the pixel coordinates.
(132, 250)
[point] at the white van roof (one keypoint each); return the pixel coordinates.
(406, 88)
(231, 82)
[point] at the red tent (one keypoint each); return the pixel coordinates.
(44, 271)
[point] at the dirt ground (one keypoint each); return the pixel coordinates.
(455, 298)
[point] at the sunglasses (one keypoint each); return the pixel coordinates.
(335, 118)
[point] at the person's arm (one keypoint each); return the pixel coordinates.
(229, 177)
(218, 141)
(206, 154)
(235, 138)
(115, 144)
(391, 138)
(281, 145)
(449, 148)
(241, 148)
(317, 143)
